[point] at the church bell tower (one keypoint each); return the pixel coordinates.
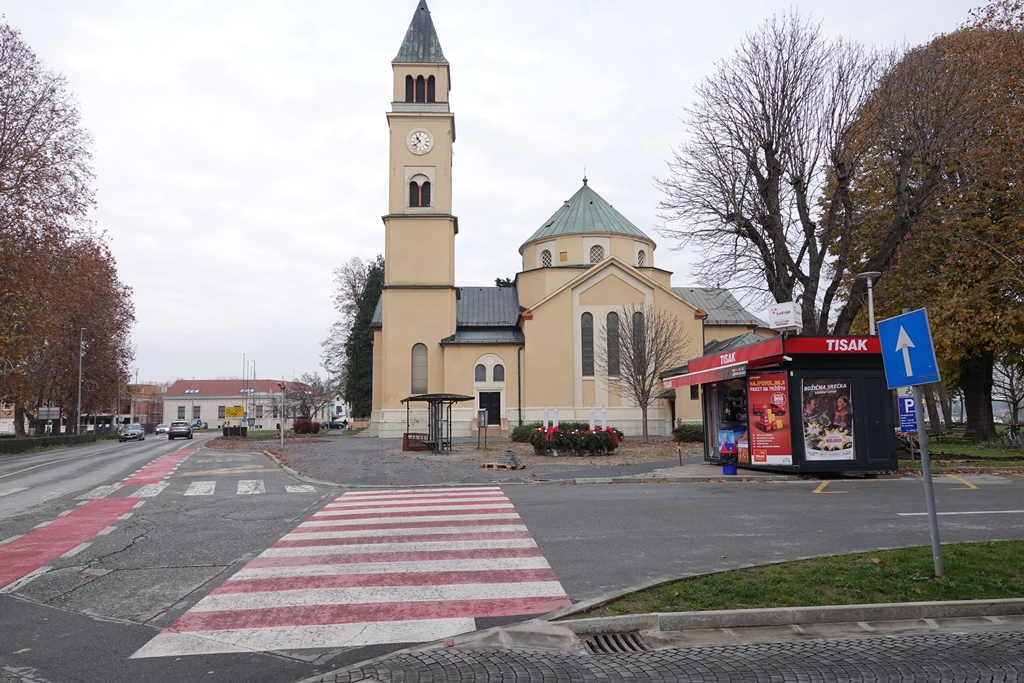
(419, 293)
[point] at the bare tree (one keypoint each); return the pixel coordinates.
(309, 395)
(1008, 385)
(349, 282)
(637, 345)
(779, 143)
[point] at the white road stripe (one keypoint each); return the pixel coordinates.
(304, 488)
(365, 595)
(488, 564)
(201, 488)
(250, 486)
(77, 549)
(151, 490)
(400, 502)
(416, 531)
(106, 532)
(12, 538)
(399, 547)
(303, 637)
(99, 492)
(371, 494)
(416, 508)
(9, 492)
(399, 521)
(971, 512)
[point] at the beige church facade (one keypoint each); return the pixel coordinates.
(522, 350)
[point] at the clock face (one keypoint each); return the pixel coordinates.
(420, 142)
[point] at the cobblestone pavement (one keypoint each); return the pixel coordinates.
(935, 658)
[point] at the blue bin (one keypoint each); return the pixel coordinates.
(728, 469)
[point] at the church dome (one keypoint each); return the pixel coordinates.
(586, 212)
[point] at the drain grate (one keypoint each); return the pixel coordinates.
(612, 643)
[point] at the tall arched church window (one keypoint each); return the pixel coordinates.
(545, 259)
(596, 253)
(613, 344)
(480, 373)
(419, 193)
(430, 89)
(421, 89)
(419, 369)
(587, 339)
(641, 258)
(639, 341)
(410, 91)
(499, 373)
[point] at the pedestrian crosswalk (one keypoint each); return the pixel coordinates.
(375, 567)
(196, 488)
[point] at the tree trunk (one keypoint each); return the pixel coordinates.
(19, 419)
(976, 381)
(946, 403)
(643, 413)
(933, 408)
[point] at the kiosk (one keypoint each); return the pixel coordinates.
(795, 404)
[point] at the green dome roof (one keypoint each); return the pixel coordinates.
(586, 212)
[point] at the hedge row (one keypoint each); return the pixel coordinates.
(580, 442)
(689, 432)
(11, 446)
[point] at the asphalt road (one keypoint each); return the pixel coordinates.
(175, 536)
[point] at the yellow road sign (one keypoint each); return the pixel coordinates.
(234, 411)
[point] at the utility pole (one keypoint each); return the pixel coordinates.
(81, 352)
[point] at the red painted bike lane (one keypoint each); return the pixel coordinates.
(35, 549)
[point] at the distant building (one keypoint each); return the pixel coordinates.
(208, 400)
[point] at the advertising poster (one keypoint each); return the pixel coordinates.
(827, 416)
(768, 404)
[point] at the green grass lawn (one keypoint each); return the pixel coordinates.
(974, 571)
(946, 451)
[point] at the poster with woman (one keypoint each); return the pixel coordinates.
(827, 415)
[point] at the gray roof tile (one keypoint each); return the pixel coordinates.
(720, 305)
(421, 43)
(487, 307)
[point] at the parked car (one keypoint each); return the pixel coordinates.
(180, 428)
(339, 424)
(161, 429)
(133, 431)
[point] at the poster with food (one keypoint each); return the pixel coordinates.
(827, 416)
(770, 419)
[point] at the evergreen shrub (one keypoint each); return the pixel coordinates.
(689, 432)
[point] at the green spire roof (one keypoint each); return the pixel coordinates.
(586, 212)
(421, 43)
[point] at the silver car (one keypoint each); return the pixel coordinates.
(133, 431)
(180, 428)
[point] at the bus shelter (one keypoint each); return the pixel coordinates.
(796, 404)
(438, 437)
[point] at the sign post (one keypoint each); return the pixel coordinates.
(909, 359)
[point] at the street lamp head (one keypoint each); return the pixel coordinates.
(869, 275)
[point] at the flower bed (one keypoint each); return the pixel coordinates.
(578, 442)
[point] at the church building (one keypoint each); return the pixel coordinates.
(519, 350)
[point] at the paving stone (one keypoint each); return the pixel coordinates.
(964, 658)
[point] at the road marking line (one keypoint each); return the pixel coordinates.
(159, 469)
(28, 578)
(107, 531)
(12, 538)
(408, 521)
(66, 513)
(417, 492)
(99, 492)
(249, 469)
(369, 548)
(42, 524)
(151, 490)
(394, 567)
(250, 487)
(304, 488)
(970, 512)
(963, 481)
(9, 492)
(821, 488)
(201, 488)
(77, 549)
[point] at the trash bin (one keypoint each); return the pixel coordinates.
(728, 457)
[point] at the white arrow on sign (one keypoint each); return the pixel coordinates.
(904, 344)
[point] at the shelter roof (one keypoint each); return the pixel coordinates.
(436, 398)
(720, 305)
(586, 212)
(421, 43)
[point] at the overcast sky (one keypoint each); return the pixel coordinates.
(241, 148)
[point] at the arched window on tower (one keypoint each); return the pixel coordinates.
(430, 89)
(421, 89)
(480, 373)
(419, 193)
(545, 259)
(641, 258)
(410, 92)
(587, 343)
(613, 344)
(419, 369)
(596, 253)
(499, 373)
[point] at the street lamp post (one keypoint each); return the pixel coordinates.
(871, 276)
(81, 352)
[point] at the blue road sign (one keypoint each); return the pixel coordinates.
(908, 416)
(907, 351)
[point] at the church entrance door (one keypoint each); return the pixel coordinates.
(491, 402)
